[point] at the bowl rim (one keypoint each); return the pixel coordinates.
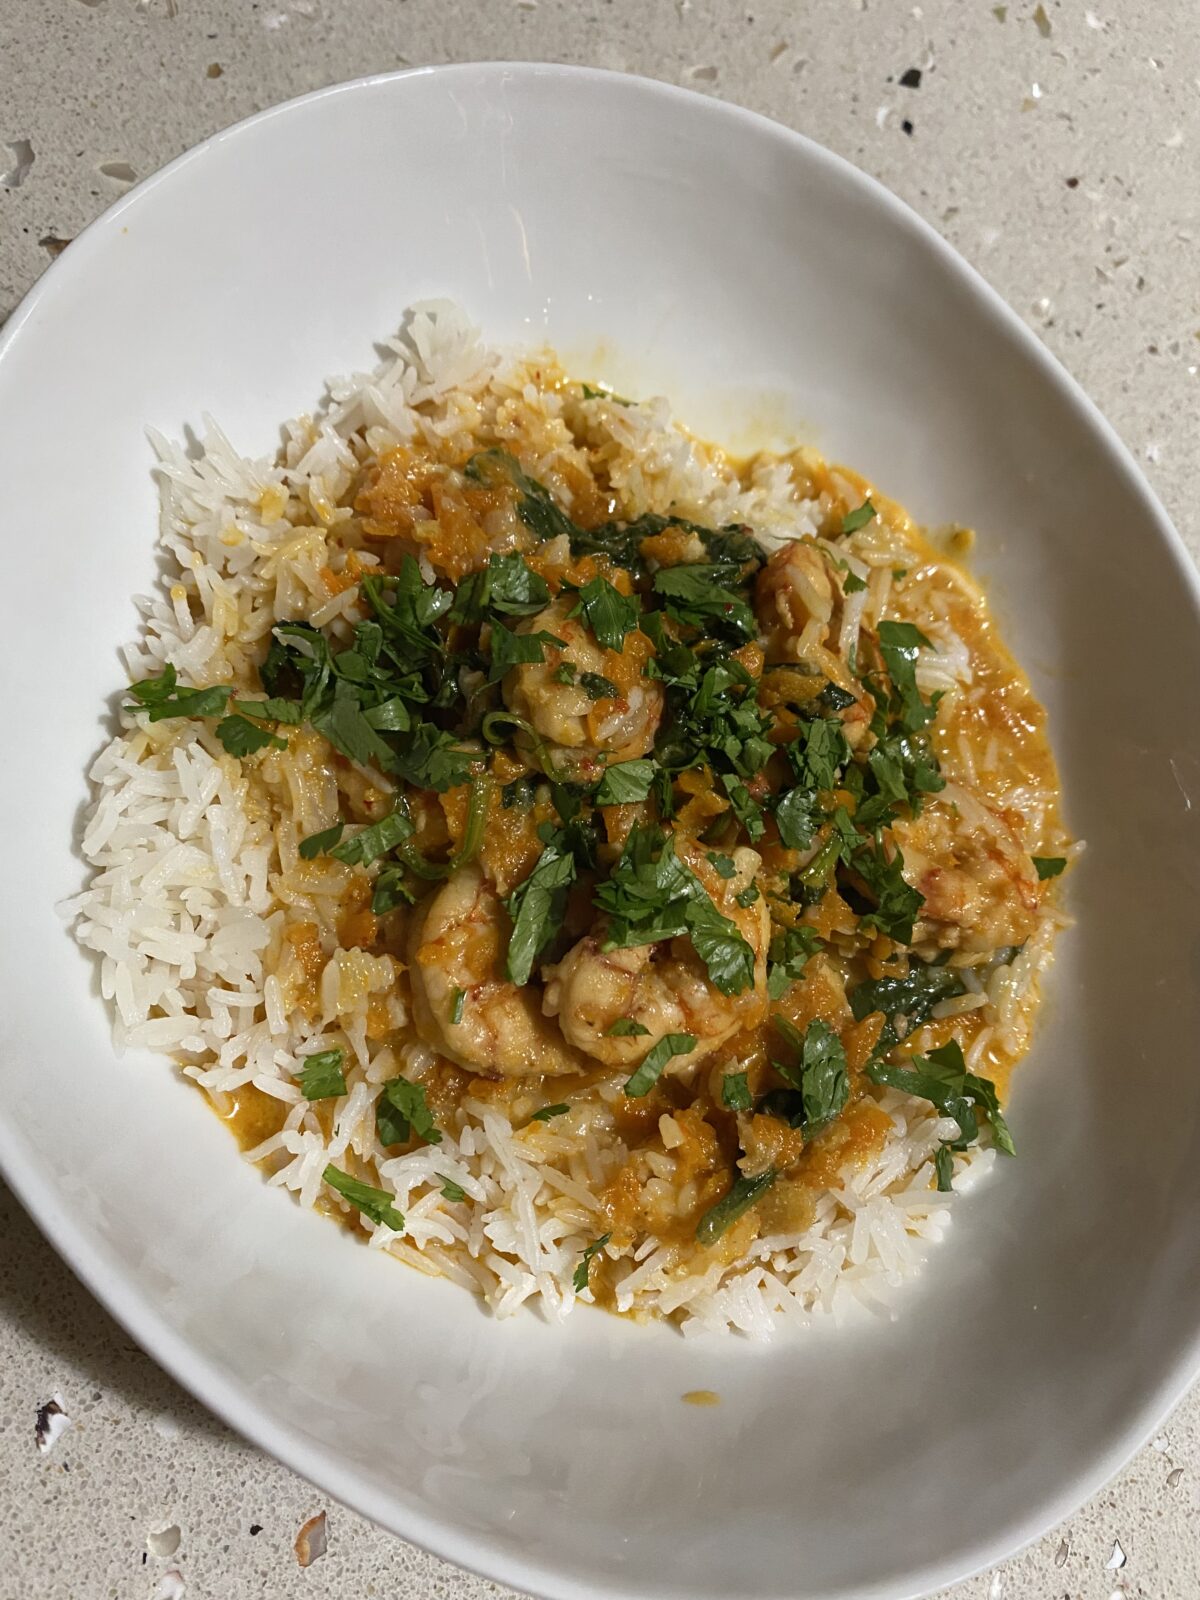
(201, 1375)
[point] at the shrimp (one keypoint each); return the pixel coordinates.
(456, 948)
(794, 600)
(979, 882)
(621, 725)
(664, 987)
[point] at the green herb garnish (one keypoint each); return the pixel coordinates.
(321, 1076)
(745, 1193)
(401, 1111)
(583, 1270)
(375, 1204)
(648, 1074)
(735, 1092)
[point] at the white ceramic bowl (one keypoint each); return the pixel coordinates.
(686, 246)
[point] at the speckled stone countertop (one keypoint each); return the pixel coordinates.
(1056, 146)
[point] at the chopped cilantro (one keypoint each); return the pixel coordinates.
(597, 687)
(788, 955)
(1049, 866)
(625, 782)
(609, 613)
(161, 697)
(745, 1193)
(390, 890)
(546, 1113)
(796, 817)
(858, 518)
(401, 1111)
(648, 1074)
(897, 903)
(898, 644)
(942, 1078)
(457, 1000)
(853, 584)
(820, 1075)
(913, 997)
(368, 844)
(511, 649)
(625, 1028)
(696, 596)
(321, 1076)
(537, 907)
(452, 1190)
(318, 843)
(375, 1204)
(506, 585)
(582, 1271)
(943, 1165)
(735, 1092)
(651, 895)
(534, 505)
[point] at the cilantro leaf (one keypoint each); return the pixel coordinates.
(432, 758)
(511, 649)
(161, 697)
(597, 687)
(537, 908)
(343, 724)
(897, 903)
(582, 1271)
(547, 1113)
(375, 1204)
(401, 1111)
(609, 614)
(625, 1028)
(242, 737)
(722, 865)
(625, 782)
(819, 755)
(390, 891)
(854, 520)
(735, 1092)
(898, 644)
(1049, 866)
(745, 1193)
(452, 1190)
(695, 595)
(318, 843)
(534, 505)
(648, 1074)
(506, 585)
(912, 997)
(788, 955)
(821, 1076)
(321, 1076)
(942, 1078)
(275, 709)
(368, 844)
(796, 817)
(853, 584)
(943, 1165)
(745, 808)
(651, 895)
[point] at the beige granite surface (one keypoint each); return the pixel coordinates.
(1056, 145)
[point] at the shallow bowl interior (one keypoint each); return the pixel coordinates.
(673, 244)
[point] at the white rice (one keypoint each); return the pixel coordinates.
(185, 906)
